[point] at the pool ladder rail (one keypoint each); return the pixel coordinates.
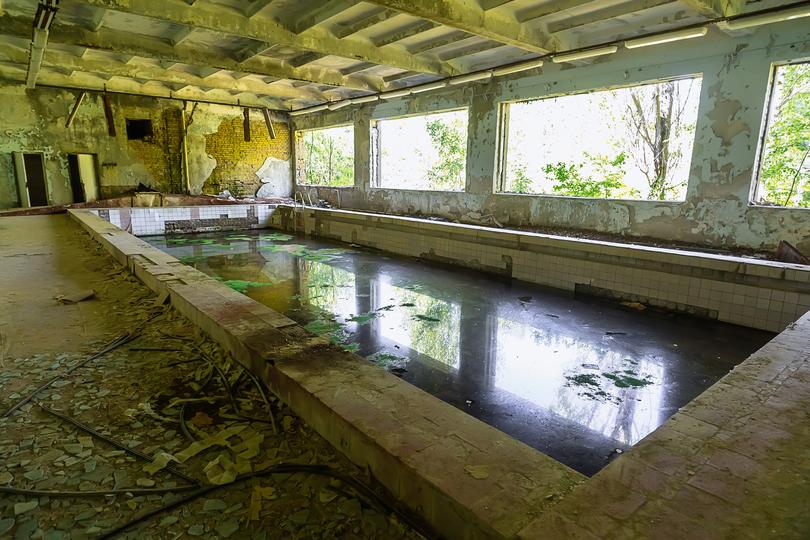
(300, 195)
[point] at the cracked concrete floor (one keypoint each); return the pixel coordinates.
(135, 395)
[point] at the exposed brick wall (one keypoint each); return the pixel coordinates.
(237, 160)
(162, 153)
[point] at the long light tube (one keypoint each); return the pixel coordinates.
(768, 18)
(668, 37)
(582, 55)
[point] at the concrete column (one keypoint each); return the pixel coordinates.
(728, 128)
(362, 150)
(482, 141)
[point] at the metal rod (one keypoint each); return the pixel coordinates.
(269, 122)
(108, 114)
(75, 108)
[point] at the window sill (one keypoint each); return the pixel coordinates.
(574, 198)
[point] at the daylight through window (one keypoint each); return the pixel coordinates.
(626, 143)
(784, 171)
(325, 157)
(427, 152)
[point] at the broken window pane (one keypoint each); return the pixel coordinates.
(426, 152)
(625, 143)
(784, 172)
(325, 157)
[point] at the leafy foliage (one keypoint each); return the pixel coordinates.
(785, 170)
(451, 143)
(607, 182)
(328, 160)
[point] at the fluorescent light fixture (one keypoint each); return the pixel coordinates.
(364, 99)
(582, 55)
(742, 23)
(338, 104)
(472, 77)
(668, 37)
(428, 87)
(317, 108)
(517, 68)
(396, 94)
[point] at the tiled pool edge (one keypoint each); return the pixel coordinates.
(759, 294)
(730, 464)
(465, 478)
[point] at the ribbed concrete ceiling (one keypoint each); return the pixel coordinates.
(288, 54)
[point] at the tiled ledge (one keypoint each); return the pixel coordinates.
(733, 463)
(465, 478)
(759, 294)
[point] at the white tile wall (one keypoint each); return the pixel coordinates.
(771, 305)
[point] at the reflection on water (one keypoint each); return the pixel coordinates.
(576, 379)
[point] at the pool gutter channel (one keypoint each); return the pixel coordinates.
(465, 478)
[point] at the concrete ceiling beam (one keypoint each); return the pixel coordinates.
(469, 16)
(136, 45)
(411, 30)
(57, 61)
(90, 82)
(255, 6)
(716, 8)
(609, 12)
(324, 12)
(210, 16)
(377, 16)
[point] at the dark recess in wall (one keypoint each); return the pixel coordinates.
(139, 130)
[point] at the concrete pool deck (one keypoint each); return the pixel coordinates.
(732, 463)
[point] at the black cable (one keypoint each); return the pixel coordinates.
(113, 442)
(281, 468)
(101, 493)
(117, 342)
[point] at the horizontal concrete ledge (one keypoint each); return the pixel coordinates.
(760, 294)
(465, 478)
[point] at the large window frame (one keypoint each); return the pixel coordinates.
(376, 143)
(300, 171)
(765, 126)
(503, 128)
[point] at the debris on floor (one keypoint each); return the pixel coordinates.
(166, 438)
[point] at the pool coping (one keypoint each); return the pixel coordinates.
(469, 480)
(465, 478)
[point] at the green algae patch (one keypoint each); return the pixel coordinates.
(584, 379)
(323, 326)
(623, 380)
(279, 237)
(242, 286)
(364, 318)
(425, 318)
(350, 347)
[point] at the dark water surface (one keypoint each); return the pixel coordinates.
(576, 378)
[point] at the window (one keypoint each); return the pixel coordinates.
(325, 157)
(139, 130)
(784, 170)
(426, 152)
(627, 143)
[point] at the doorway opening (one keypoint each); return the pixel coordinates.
(83, 177)
(31, 183)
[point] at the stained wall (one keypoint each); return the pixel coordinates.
(34, 121)
(717, 211)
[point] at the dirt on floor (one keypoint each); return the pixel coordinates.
(148, 429)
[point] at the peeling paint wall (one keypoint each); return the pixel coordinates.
(716, 212)
(34, 121)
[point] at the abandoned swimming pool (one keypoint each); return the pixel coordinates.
(578, 379)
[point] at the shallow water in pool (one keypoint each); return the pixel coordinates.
(577, 378)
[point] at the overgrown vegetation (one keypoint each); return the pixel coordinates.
(328, 157)
(636, 145)
(785, 170)
(451, 143)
